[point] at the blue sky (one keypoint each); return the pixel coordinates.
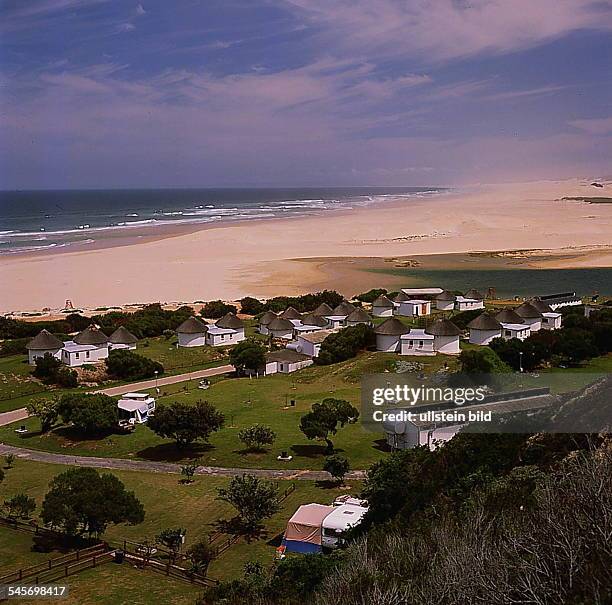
(196, 93)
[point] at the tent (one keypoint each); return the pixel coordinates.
(304, 529)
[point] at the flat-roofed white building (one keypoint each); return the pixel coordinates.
(310, 344)
(416, 292)
(467, 304)
(44, 342)
(192, 333)
(417, 342)
(551, 320)
(414, 307)
(228, 330)
(520, 331)
(88, 346)
(557, 301)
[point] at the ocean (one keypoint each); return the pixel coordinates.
(41, 220)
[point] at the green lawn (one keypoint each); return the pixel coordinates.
(178, 360)
(15, 381)
(245, 402)
(168, 503)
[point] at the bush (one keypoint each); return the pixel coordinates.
(337, 466)
(256, 436)
(215, 309)
(345, 344)
(90, 413)
(51, 370)
(248, 355)
(127, 365)
(14, 347)
(20, 506)
(371, 295)
(251, 306)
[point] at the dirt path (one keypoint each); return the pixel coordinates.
(167, 467)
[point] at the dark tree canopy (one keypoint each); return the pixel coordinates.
(345, 344)
(186, 423)
(257, 436)
(248, 355)
(251, 306)
(216, 309)
(90, 413)
(51, 370)
(337, 466)
(127, 365)
(82, 501)
(326, 418)
(371, 295)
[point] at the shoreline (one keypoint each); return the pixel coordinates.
(526, 223)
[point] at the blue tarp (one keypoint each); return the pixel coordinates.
(305, 548)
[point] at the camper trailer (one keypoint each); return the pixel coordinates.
(135, 408)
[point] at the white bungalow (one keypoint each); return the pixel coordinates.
(281, 328)
(358, 316)
(414, 308)
(510, 331)
(192, 333)
(286, 361)
(310, 344)
(310, 323)
(382, 307)
(227, 331)
(122, 338)
(135, 408)
(88, 346)
(530, 316)
(484, 329)
(388, 335)
(445, 301)
(467, 304)
(422, 291)
(551, 320)
(446, 336)
(264, 322)
(417, 342)
(44, 342)
(293, 315)
(338, 317)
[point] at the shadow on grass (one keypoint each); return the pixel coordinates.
(169, 452)
(276, 541)
(236, 527)
(313, 450)
(382, 445)
(327, 484)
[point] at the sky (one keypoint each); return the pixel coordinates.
(222, 93)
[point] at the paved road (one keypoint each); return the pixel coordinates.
(165, 380)
(166, 467)
(13, 416)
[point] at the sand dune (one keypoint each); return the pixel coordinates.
(229, 261)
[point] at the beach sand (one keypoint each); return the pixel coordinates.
(529, 221)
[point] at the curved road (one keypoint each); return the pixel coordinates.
(167, 467)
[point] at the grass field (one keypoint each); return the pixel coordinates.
(167, 503)
(15, 379)
(245, 402)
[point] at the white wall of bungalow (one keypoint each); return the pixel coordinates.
(414, 308)
(467, 304)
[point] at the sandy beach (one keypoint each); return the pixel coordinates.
(528, 222)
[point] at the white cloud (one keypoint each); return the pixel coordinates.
(140, 10)
(125, 27)
(595, 126)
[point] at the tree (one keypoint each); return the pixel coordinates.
(256, 436)
(20, 506)
(337, 466)
(371, 295)
(200, 554)
(250, 305)
(247, 355)
(215, 309)
(127, 365)
(255, 499)
(51, 370)
(90, 413)
(173, 539)
(482, 361)
(189, 470)
(46, 410)
(9, 459)
(326, 418)
(345, 344)
(82, 501)
(186, 423)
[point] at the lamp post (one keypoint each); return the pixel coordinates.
(156, 373)
(520, 361)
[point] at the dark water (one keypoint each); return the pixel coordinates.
(511, 282)
(31, 220)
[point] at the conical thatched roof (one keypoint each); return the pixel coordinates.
(344, 308)
(443, 327)
(508, 316)
(392, 327)
(323, 309)
(383, 301)
(401, 297)
(314, 320)
(473, 293)
(230, 321)
(358, 316)
(290, 313)
(280, 323)
(91, 336)
(266, 318)
(122, 336)
(528, 311)
(541, 306)
(44, 341)
(446, 295)
(484, 321)
(193, 325)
